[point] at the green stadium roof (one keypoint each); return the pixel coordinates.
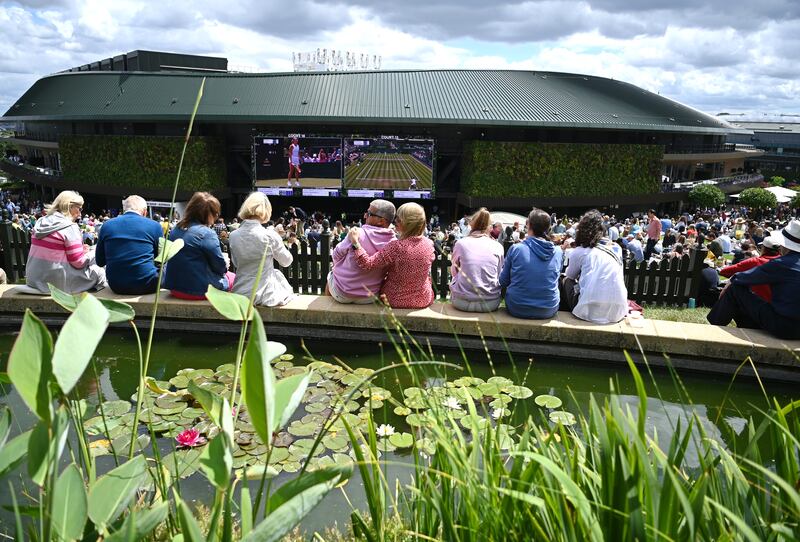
(416, 97)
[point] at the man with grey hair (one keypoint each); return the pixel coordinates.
(127, 247)
(348, 283)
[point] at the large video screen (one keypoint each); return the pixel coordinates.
(392, 163)
(297, 161)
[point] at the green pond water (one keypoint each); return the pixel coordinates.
(573, 382)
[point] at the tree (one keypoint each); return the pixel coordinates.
(777, 180)
(795, 202)
(706, 195)
(758, 199)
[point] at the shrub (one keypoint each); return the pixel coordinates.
(516, 169)
(706, 195)
(758, 198)
(795, 202)
(143, 161)
(777, 180)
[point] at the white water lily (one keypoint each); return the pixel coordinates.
(499, 413)
(452, 403)
(385, 430)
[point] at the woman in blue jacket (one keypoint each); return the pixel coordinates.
(530, 272)
(199, 263)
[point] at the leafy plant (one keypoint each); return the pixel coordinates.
(758, 199)
(142, 161)
(777, 180)
(706, 195)
(524, 170)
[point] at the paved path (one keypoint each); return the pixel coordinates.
(689, 346)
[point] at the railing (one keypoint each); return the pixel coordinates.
(672, 281)
(685, 186)
(28, 172)
(699, 149)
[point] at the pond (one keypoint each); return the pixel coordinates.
(722, 411)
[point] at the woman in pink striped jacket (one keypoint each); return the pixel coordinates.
(57, 254)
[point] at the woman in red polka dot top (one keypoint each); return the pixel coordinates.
(407, 261)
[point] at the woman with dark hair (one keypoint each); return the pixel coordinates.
(200, 262)
(593, 287)
(530, 272)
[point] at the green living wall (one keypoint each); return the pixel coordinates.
(143, 161)
(554, 170)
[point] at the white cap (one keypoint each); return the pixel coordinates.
(774, 240)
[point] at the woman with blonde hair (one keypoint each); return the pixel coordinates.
(58, 255)
(477, 263)
(199, 264)
(248, 245)
(407, 261)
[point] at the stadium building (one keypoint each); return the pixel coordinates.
(453, 138)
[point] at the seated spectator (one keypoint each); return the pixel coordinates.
(200, 262)
(593, 287)
(746, 250)
(58, 255)
(770, 249)
(127, 246)
(347, 282)
(530, 272)
(248, 245)
(714, 246)
(406, 262)
(477, 261)
(781, 315)
(634, 247)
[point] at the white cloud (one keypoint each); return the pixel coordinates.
(719, 55)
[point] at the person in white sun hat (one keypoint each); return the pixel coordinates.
(781, 316)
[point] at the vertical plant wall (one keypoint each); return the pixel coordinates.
(143, 161)
(553, 170)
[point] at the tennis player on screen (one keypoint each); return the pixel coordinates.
(294, 163)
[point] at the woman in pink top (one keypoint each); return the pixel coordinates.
(477, 263)
(407, 261)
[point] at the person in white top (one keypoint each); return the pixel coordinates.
(294, 163)
(593, 287)
(248, 245)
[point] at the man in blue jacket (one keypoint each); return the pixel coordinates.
(781, 316)
(127, 246)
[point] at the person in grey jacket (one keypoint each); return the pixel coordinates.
(247, 247)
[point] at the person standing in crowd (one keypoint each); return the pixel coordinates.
(57, 254)
(248, 244)
(593, 287)
(653, 233)
(477, 262)
(406, 262)
(530, 272)
(770, 249)
(127, 246)
(347, 282)
(780, 316)
(199, 264)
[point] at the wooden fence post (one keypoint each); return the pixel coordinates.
(698, 257)
(325, 255)
(5, 245)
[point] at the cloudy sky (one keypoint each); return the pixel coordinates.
(717, 55)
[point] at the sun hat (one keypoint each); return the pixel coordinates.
(791, 236)
(773, 240)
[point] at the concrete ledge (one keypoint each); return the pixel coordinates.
(689, 346)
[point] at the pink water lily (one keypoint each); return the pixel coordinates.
(190, 438)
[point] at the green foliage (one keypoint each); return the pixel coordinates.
(707, 195)
(516, 169)
(143, 161)
(758, 198)
(112, 493)
(777, 180)
(70, 504)
(795, 202)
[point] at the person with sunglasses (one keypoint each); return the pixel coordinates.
(58, 255)
(347, 282)
(406, 262)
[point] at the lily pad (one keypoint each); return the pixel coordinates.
(292, 466)
(492, 390)
(300, 429)
(402, 411)
(282, 440)
(192, 413)
(402, 440)
(112, 409)
(547, 401)
(335, 443)
(179, 381)
(384, 445)
(100, 447)
(364, 371)
(96, 425)
(518, 392)
(500, 402)
(500, 381)
(183, 463)
(168, 411)
(278, 455)
(563, 417)
(256, 472)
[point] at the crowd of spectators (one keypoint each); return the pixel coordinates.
(536, 266)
